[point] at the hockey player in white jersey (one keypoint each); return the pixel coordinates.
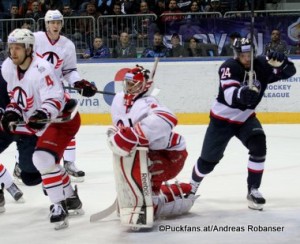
(60, 51)
(37, 97)
(141, 121)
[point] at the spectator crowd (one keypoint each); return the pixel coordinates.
(141, 36)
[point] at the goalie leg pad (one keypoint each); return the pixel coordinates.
(166, 165)
(134, 190)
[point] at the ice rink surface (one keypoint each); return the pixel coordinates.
(222, 203)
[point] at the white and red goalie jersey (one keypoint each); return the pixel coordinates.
(39, 88)
(151, 121)
(61, 53)
(149, 124)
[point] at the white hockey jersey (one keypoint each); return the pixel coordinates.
(61, 54)
(39, 87)
(156, 121)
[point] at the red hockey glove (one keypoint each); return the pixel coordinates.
(122, 140)
(86, 88)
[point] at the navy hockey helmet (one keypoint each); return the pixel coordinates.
(242, 45)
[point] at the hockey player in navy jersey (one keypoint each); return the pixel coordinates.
(233, 114)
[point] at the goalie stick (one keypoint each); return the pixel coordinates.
(104, 213)
(78, 89)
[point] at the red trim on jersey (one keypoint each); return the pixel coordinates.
(39, 55)
(229, 120)
(142, 138)
(174, 140)
(170, 117)
(1, 167)
(52, 42)
(55, 102)
(233, 84)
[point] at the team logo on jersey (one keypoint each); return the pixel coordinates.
(52, 58)
(21, 98)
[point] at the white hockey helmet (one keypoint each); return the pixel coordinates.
(23, 36)
(52, 15)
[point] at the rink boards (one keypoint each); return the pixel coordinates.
(187, 87)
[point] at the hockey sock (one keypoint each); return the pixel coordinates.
(5, 177)
(70, 151)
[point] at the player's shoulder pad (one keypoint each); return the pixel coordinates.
(67, 42)
(7, 68)
(42, 66)
(231, 63)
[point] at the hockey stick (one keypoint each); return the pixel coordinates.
(251, 72)
(78, 89)
(59, 119)
(156, 60)
(104, 213)
(155, 90)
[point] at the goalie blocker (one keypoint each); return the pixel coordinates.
(137, 204)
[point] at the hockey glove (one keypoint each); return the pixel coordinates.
(276, 59)
(246, 96)
(122, 140)
(38, 119)
(8, 120)
(86, 88)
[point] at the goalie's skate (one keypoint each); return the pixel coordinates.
(74, 204)
(76, 174)
(255, 200)
(16, 193)
(2, 201)
(17, 174)
(59, 215)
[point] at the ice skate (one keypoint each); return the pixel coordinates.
(59, 215)
(17, 174)
(74, 205)
(2, 201)
(255, 200)
(192, 193)
(77, 175)
(16, 193)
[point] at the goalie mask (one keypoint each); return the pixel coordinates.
(135, 84)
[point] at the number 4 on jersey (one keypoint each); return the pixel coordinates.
(49, 81)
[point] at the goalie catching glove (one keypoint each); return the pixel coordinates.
(86, 88)
(122, 141)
